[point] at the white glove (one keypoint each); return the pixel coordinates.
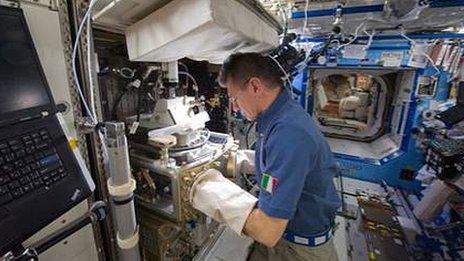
(246, 161)
(222, 200)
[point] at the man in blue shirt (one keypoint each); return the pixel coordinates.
(294, 166)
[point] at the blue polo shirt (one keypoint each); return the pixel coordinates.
(293, 153)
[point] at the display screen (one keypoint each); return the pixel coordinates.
(21, 83)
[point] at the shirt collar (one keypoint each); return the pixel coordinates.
(264, 118)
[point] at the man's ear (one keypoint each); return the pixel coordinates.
(257, 85)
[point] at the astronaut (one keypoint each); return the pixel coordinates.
(293, 216)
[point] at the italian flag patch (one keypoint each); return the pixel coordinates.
(269, 183)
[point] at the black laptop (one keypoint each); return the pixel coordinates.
(40, 178)
(454, 114)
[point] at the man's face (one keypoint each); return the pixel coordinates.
(243, 99)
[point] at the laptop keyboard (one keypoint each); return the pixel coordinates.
(28, 162)
(453, 115)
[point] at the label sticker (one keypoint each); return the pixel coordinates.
(392, 59)
(355, 51)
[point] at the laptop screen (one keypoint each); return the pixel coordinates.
(22, 84)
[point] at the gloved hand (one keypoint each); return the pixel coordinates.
(246, 161)
(222, 200)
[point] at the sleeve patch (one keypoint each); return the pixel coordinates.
(269, 183)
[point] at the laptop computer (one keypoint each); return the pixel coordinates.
(454, 114)
(40, 177)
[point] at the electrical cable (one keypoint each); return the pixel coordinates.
(184, 66)
(284, 16)
(90, 112)
(413, 43)
(249, 182)
(189, 76)
(89, 67)
(140, 91)
(139, 103)
(73, 59)
(371, 37)
(186, 69)
(126, 72)
(287, 77)
(195, 84)
(356, 34)
(305, 24)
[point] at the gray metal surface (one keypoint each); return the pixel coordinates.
(225, 245)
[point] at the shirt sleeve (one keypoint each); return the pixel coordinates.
(288, 158)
